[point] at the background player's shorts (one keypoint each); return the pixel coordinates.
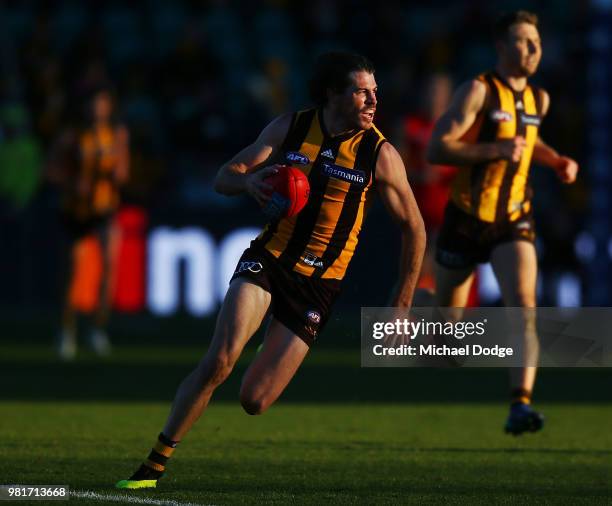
(465, 240)
(300, 303)
(77, 229)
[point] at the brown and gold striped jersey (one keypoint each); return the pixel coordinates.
(98, 163)
(321, 239)
(499, 190)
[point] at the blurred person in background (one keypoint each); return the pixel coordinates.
(430, 183)
(20, 157)
(490, 132)
(20, 178)
(90, 164)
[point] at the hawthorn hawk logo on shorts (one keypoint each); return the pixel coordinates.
(253, 267)
(452, 259)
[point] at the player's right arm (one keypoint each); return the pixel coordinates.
(446, 146)
(246, 171)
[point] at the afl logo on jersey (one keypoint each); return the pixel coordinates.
(295, 157)
(500, 116)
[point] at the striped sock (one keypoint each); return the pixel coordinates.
(520, 396)
(155, 465)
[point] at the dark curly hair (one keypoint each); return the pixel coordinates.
(331, 72)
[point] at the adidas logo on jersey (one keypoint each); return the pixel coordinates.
(519, 105)
(328, 154)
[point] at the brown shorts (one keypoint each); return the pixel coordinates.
(465, 240)
(300, 303)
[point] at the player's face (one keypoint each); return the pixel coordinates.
(357, 104)
(102, 106)
(522, 48)
(437, 95)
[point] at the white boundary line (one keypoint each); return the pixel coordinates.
(88, 494)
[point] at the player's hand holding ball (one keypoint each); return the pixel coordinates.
(286, 191)
(257, 188)
(567, 169)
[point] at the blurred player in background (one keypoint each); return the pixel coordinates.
(90, 164)
(430, 183)
(293, 270)
(490, 132)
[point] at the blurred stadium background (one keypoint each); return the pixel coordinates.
(196, 81)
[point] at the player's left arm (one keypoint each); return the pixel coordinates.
(565, 167)
(396, 194)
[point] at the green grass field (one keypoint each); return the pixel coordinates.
(340, 434)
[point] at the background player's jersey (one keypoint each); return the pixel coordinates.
(321, 239)
(98, 162)
(499, 190)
